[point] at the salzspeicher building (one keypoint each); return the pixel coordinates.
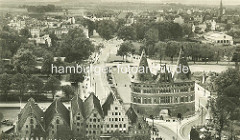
(164, 94)
(84, 120)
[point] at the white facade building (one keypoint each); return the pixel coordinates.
(218, 38)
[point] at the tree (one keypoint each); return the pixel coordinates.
(5, 83)
(172, 49)
(160, 50)
(76, 77)
(140, 29)
(225, 106)
(68, 91)
(25, 33)
(106, 29)
(48, 61)
(20, 83)
(126, 33)
(151, 36)
(226, 79)
(52, 84)
(236, 57)
(76, 47)
(222, 109)
(187, 29)
(125, 49)
(36, 84)
(194, 135)
(24, 61)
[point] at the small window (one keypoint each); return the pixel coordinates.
(57, 121)
(31, 121)
(26, 126)
(95, 115)
(78, 118)
(116, 108)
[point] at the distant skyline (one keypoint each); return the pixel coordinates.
(195, 2)
(201, 2)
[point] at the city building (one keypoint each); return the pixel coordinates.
(218, 38)
(30, 122)
(57, 121)
(163, 95)
(43, 40)
(85, 119)
(93, 117)
(115, 115)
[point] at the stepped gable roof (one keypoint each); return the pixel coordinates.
(31, 109)
(132, 115)
(144, 73)
(182, 72)
(57, 108)
(107, 104)
(91, 103)
(77, 105)
(164, 75)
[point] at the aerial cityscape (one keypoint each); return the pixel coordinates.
(119, 70)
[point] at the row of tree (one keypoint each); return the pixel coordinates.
(195, 51)
(22, 84)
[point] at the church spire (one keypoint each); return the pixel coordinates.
(182, 71)
(144, 73)
(221, 9)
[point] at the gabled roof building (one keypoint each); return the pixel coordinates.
(83, 120)
(30, 122)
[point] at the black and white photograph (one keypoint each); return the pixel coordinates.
(119, 69)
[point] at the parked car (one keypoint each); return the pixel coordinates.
(7, 122)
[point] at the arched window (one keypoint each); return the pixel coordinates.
(134, 99)
(145, 101)
(139, 100)
(149, 100)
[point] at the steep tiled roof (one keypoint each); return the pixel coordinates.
(179, 74)
(107, 104)
(144, 73)
(56, 108)
(77, 105)
(91, 103)
(132, 115)
(30, 109)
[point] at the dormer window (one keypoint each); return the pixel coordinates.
(31, 121)
(57, 121)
